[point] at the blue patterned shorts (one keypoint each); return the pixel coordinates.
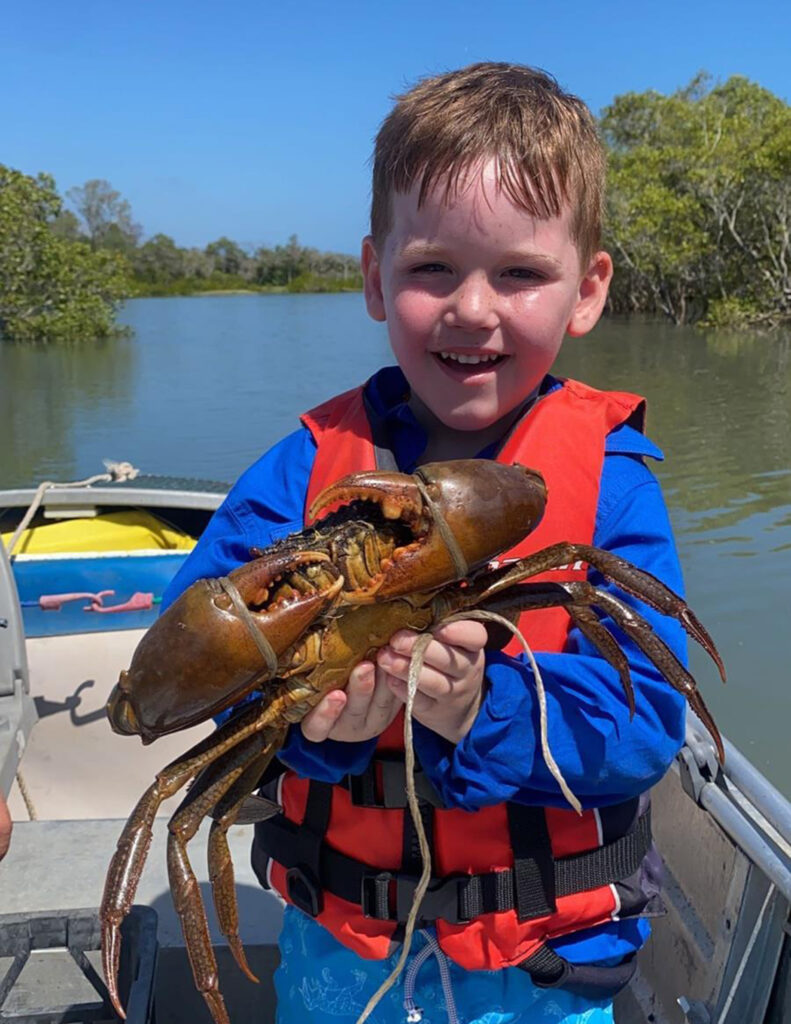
(321, 980)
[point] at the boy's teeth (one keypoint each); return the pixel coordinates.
(457, 357)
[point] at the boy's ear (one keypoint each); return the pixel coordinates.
(372, 280)
(592, 295)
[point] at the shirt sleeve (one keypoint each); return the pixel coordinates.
(604, 756)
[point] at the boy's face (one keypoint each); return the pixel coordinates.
(478, 296)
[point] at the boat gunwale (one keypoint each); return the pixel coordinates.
(149, 497)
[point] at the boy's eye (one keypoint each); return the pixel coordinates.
(429, 268)
(524, 274)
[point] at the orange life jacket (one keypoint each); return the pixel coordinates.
(507, 877)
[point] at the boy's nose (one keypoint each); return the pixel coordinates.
(472, 306)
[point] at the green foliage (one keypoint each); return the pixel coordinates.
(733, 312)
(52, 288)
(162, 268)
(193, 286)
(699, 202)
(307, 282)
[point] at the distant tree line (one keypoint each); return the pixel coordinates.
(64, 269)
(101, 216)
(698, 222)
(160, 267)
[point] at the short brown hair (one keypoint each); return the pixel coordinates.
(543, 139)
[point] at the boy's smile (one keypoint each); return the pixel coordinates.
(478, 296)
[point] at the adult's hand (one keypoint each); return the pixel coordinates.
(5, 827)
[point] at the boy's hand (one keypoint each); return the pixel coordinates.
(363, 710)
(450, 684)
(449, 688)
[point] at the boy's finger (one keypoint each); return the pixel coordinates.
(432, 682)
(383, 706)
(443, 658)
(359, 690)
(318, 723)
(467, 634)
(422, 704)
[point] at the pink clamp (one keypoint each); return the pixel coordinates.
(137, 603)
(53, 602)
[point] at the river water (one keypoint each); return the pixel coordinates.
(203, 385)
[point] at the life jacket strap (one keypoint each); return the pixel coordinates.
(387, 775)
(457, 899)
(303, 877)
(534, 873)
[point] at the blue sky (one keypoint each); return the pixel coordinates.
(255, 121)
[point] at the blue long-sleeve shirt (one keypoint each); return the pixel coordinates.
(604, 756)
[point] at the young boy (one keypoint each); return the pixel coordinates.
(483, 255)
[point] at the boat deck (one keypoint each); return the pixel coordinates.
(74, 766)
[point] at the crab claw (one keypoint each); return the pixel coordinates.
(202, 655)
(443, 507)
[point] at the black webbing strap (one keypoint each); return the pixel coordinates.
(591, 981)
(534, 871)
(457, 899)
(303, 877)
(364, 788)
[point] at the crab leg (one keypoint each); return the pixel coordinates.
(219, 856)
(532, 596)
(591, 626)
(634, 581)
(206, 793)
(656, 650)
(577, 597)
(129, 858)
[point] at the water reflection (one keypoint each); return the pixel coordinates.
(718, 405)
(54, 399)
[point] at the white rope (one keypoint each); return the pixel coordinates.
(30, 807)
(549, 760)
(415, 666)
(116, 471)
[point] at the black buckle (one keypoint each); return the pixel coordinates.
(362, 788)
(443, 898)
(375, 895)
(304, 891)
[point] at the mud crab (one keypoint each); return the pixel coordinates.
(391, 551)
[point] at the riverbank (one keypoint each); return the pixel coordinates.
(302, 284)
